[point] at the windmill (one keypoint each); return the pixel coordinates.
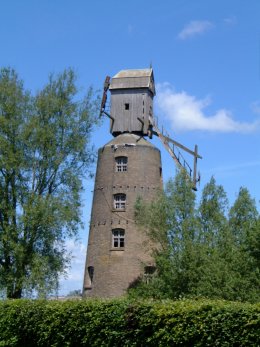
(173, 147)
(128, 167)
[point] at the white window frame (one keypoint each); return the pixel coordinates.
(118, 238)
(121, 164)
(120, 201)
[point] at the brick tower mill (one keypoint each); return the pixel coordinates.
(128, 167)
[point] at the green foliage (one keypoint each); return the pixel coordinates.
(129, 323)
(207, 250)
(245, 229)
(44, 155)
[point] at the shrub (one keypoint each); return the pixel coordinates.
(129, 323)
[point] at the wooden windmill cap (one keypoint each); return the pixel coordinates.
(132, 79)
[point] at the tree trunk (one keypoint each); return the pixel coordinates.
(14, 293)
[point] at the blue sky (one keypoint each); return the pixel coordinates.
(206, 61)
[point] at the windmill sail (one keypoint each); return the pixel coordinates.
(173, 148)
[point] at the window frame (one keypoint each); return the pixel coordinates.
(91, 273)
(119, 201)
(121, 164)
(149, 272)
(118, 239)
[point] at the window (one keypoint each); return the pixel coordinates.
(149, 270)
(126, 106)
(118, 238)
(121, 164)
(148, 273)
(91, 273)
(119, 201)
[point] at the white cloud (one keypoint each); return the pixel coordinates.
(230, 21)
(255, 106)
(194, 28)
(186, 113)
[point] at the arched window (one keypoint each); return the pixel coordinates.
(149, 271)
(91, 273)
(121, 164)
(118, 238)
(119, 201)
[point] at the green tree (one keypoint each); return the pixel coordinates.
(44, 155)
(208, 250)
(213, 211)
(215, 241)
(243, 217)
(182, 236)
(172, 224)
(244, 226)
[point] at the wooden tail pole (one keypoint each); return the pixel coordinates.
(104, 97)
(195, 168)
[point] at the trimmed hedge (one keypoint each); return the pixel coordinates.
(129, 323)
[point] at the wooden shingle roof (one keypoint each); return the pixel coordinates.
(138, 78)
